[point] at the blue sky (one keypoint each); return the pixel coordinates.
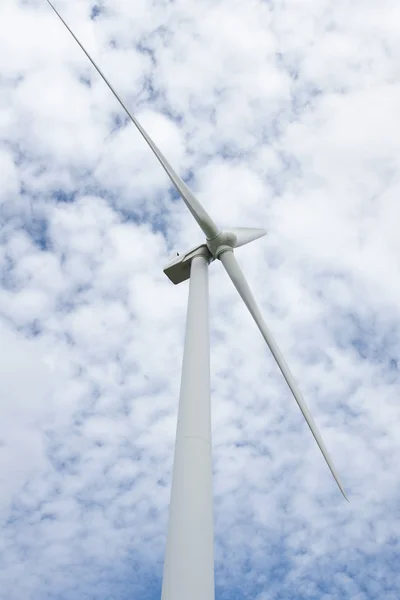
(280, 115)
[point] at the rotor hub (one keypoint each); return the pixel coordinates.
(223, 241)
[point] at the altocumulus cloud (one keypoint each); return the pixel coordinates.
(283, 115)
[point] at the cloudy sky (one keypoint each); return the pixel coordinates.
(277, 114)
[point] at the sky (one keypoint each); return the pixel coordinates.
(277, 114)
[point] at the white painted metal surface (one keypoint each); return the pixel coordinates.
(239, 281)
(189, 563)
(178, 270)
(189, 558)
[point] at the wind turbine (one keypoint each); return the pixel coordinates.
(189, 560)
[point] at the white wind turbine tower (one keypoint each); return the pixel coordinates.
(189, 561)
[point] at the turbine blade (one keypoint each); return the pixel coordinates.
(236, 275)
(245, 235)
(199, 213)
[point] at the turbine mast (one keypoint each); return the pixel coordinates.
(189, 558)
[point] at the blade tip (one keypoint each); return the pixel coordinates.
(343, 493)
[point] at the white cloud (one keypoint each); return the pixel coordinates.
(24, 411)
(280, 115)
